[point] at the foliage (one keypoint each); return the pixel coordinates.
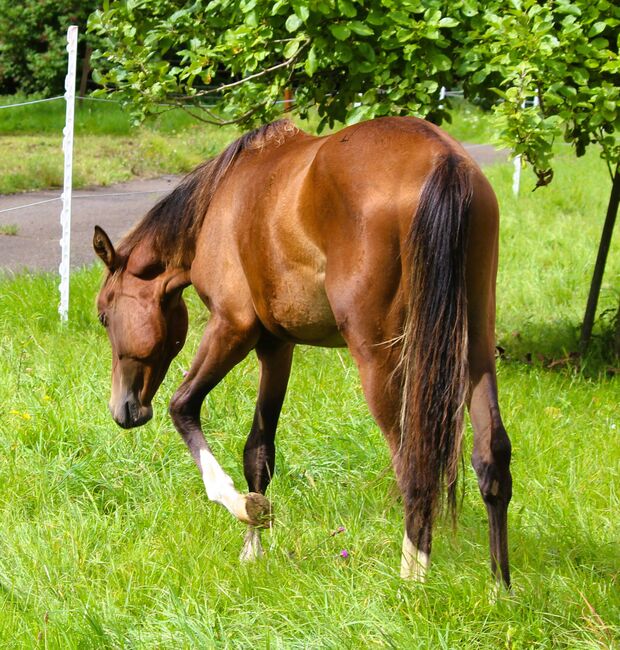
(351, 59)
(33, 57)
(565, 54)
(356, 59)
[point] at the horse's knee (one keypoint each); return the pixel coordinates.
(181, 407)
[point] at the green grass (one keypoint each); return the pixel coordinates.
(92, 117)
(108, 540)
(9, 230)
(107, 147)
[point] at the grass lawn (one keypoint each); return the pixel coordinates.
(108, 540)
(107, 147)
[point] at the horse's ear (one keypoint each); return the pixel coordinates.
(104, 248)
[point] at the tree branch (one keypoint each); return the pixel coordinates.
(217, 121)
(256, 75)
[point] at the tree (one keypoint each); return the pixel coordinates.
(565, 53)
(228, 61)
(33, 56)
(350, 59)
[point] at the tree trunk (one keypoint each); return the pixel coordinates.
(85, 71)
(617, 337)
(288, 100)
(601, 259)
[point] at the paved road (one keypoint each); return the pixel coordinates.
(36, 246)
(115, 208)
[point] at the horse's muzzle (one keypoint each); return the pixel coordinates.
(129, 413)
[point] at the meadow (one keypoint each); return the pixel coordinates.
(108, 148)
(107, 539)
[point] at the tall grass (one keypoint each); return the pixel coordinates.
(108, 540)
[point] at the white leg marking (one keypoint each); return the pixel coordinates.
(413, 562)
(252, 547)
(494, 592)
(220, 487)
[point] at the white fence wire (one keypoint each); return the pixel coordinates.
(32, 101)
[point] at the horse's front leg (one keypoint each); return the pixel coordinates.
(275, 358)
(224, 344)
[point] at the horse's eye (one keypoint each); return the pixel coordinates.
(103, 320)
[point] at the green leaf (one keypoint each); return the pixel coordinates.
(360, 28)
(446, 21)
(247, 5)
(280, 7)
(439, 60)
(302, 11)
(311, 64)
(366, 51)
(480, 75)
(580, 76)
(377, 18)
(293, 23)
(291, 48)
(365, 67)
(340, 31)
(359, 113)
(597, 28)
(347, 8)
(343, 53)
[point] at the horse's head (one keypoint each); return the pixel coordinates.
(141, 306)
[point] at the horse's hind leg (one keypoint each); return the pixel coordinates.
(225, 343)
(491, 454)
(275, 358)
(377, 360)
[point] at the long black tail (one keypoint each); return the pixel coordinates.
(434, 357)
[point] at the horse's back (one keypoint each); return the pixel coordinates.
(312, 230)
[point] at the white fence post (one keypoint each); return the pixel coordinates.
(516, 176)
(442, 96)
(67, 146)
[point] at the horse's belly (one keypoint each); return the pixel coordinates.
(299, 311)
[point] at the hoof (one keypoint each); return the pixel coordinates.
(259, 510)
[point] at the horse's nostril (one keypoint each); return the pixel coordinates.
(131, 413)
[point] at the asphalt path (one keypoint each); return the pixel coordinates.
(36, 246)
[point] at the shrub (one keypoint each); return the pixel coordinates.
(33, 58)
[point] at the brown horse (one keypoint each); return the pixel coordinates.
(383, 238)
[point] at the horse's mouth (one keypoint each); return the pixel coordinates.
(131, 414)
